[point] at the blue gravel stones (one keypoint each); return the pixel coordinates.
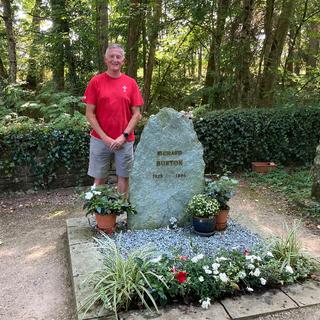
(182, 241)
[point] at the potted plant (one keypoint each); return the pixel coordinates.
(203, 210)
(106, 203)
(221, 189)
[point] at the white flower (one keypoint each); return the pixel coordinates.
(249, 289)
(252, 258)
(269, 254)
(242, 274)
(96, 192)
(201, 279)
(205, 303)
(173, 220)
(215, 271)
(251, 266)
(207, 270)
(197, 258)
(93, 187)
(156, 260)
(215, 266)
(88, 195)
(263, 281)
(221, 259)
(257, 272)
(223, 277)
(289, 269)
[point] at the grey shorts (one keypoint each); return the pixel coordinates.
(101, 155)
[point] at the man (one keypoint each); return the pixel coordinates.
(112, 109)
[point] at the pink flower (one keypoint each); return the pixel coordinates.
(246, 252)
(183, 258)
(181, 276)
(174, 270)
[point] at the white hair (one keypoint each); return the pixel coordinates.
(115, 46)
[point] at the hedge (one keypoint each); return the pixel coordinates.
(233, 139)
(37, 154)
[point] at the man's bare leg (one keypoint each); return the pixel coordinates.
(122, 185)
(98, 181)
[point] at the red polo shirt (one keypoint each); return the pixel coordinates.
(113, 98)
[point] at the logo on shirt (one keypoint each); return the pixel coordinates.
(124, 88)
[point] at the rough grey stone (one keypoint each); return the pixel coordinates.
(306, 294)
(258, 304)
(168, 170)
(85, 258)
(316, 175)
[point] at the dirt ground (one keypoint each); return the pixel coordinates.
(34, 279)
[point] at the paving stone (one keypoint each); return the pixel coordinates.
(82, 290)
(77, 222)
(256, 304)
(181, 312)
(305, 294)
(85, 258)
(80, 235)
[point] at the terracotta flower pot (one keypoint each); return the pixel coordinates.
(263, 167)
(106, 222)
(222, 219)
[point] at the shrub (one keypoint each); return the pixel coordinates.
(42, 150)
(233, 139)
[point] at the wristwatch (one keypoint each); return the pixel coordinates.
(126, 134)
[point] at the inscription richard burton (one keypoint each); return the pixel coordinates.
(167, 171)
(171, 162)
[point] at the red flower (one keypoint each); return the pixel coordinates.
(246, 252)
(181, 276)
(183, 258)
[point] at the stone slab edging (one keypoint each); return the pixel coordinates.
(85, 259)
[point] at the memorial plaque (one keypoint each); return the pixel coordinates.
(168, 170)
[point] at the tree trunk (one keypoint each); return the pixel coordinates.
(244, 58)
(58, 15)
(134, 30)
(69, 56)
(3, 71)
(102, 23)
(213, 81)
(33, 70)
(200, 63)
(8, 21)
(272, 61)
(153, 36)
(313, 47)
(294, 34)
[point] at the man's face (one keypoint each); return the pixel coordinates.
(114, 60)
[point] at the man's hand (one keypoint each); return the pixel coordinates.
(117, 143)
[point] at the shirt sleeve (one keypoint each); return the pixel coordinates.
(136, 97)
(90, 95)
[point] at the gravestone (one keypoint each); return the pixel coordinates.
(168, 170)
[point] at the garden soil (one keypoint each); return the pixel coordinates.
(34, 266)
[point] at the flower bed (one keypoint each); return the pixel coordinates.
(145, 278)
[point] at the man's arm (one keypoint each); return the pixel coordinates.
(136, 117)
(91, 117)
